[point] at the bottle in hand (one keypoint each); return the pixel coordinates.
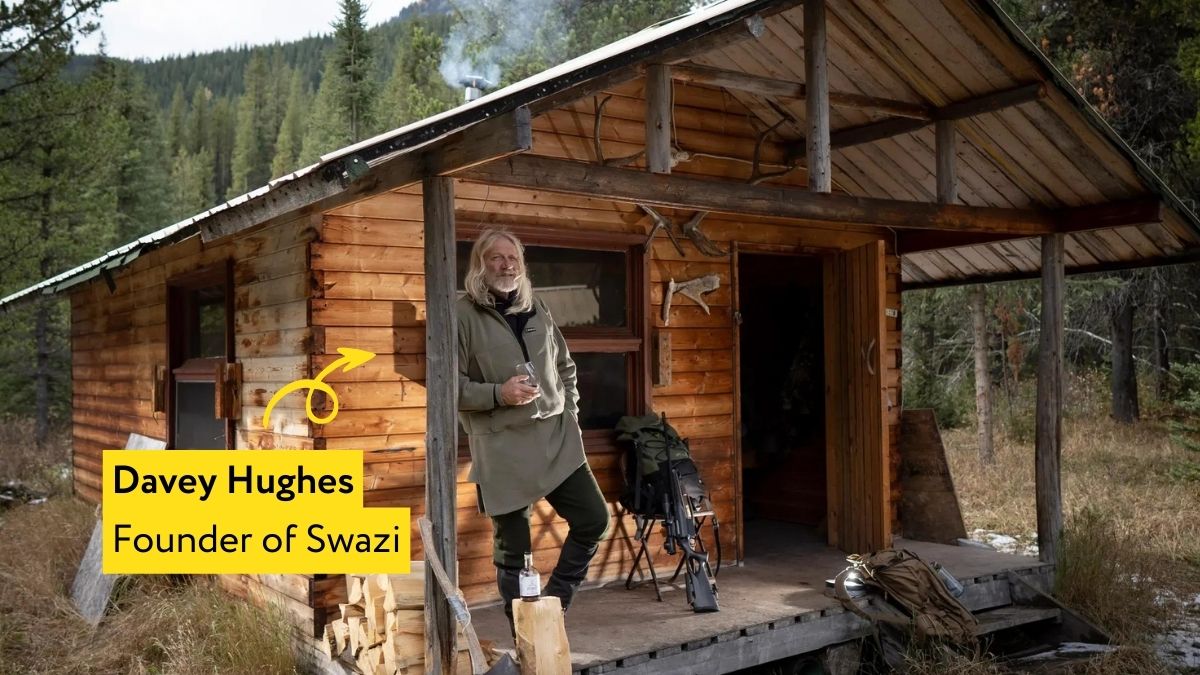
(527, 371)
(530, 581)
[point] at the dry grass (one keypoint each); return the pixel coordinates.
(45, 470)
(1123, 472)
(1131, 528)
(935, 659)
(157, 626)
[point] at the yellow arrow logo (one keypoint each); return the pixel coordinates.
(351, 358)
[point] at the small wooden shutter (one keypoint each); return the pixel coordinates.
(858, 484)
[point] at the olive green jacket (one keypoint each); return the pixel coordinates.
(515, 458)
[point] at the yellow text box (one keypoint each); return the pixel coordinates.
(246, 512)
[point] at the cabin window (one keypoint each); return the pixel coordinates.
(594, 294)
(200, 332)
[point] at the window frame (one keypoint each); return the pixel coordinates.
(632, 339)
(181, 317)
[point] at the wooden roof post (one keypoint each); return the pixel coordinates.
(658, 118)
(1048, 447)
(947, 178)
(816, 73)
(441, 427)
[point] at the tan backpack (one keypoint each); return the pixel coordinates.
(906, 581)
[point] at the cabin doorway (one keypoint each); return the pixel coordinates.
(781, 388)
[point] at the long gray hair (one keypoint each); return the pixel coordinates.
(476, 280)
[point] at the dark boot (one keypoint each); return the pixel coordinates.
(508, 581)
(570, 571)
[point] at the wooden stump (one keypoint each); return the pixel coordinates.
(542, 637)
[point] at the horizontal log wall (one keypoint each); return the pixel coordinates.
(118, 338)
(369, 293)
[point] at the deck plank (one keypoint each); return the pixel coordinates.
(772, 606)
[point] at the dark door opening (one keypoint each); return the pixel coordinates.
(782, 394)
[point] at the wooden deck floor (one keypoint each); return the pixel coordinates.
(773, 606)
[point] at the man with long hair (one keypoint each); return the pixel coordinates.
(522, 450)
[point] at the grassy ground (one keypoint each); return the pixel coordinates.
(1132, 528)
(155, 625)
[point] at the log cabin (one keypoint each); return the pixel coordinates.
(818, 157)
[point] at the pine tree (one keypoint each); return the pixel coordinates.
(191, 183)
(57, 201)
(176, 122)
(141, 162)
(199, 120)
(416, 89)
(222, 136)
(255, 135)
(326, 129)
(291, 131)
(354, 57)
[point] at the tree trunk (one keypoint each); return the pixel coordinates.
(1124, 374)
(41, 329)
(983, 378)
(1162, 354)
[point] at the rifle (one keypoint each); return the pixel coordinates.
(681, 531)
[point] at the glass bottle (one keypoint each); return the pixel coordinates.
(530, 581)
(527, 371)
(952, 584)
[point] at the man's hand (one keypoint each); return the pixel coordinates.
(516, 392)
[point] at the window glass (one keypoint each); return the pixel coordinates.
(207, 325)
(582, 288)
(603, 389)
(196, 428)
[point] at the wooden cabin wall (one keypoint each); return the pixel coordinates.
(118, 338)
(708, 123)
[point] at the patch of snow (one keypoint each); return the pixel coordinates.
(1180, 646)
(1005, 543)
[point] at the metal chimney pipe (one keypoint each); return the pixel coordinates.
(473, 87)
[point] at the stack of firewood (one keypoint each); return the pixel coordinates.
(383, 625)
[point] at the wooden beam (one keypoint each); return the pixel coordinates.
(658, 118)
(816, 77)
(769, 87)
(1048, 444)
(441, 427)
(685, 192)
(327, 188)
(947, 178)
(958, 110)
(1126, 213)
(1137, 211)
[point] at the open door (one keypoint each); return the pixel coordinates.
(856, 400)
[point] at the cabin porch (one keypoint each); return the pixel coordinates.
(773, 606)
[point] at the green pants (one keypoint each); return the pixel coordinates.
(577, 499)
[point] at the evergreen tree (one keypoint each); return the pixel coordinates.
(416, 89)
(291, 131)
(199, 120)
(255, 134)
(325, 130)
(222, 136)
(191, 183)
(176, 122)
(354, 57)
(141, 162)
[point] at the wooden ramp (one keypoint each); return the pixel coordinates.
(772, 607)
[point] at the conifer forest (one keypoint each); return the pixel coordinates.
(96, 151)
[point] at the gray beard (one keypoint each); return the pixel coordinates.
(503, 284)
